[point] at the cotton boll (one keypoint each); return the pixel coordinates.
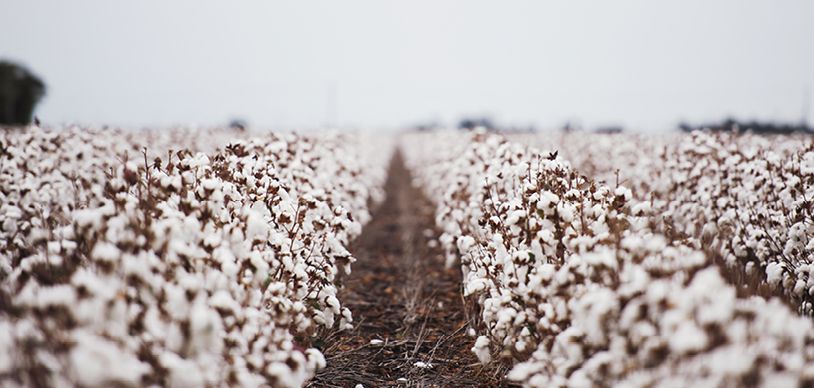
(481, 350)
(182, 372)
(105, 251)
(316, 360)
(566, 212)
(206, 329)
(623, 192)
(465, 243)
(96, 361)
(256, 227)
(774, 273)
(6, 346)
(688, 338)
(474, 286)
(260, 265)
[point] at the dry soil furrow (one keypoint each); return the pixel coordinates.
(411, 321)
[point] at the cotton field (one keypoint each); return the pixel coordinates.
(213, 257)
(175, 267)
(613, 281)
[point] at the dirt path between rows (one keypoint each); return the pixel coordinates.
(406, 302)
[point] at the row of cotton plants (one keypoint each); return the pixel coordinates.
(173, 267)
(743, 198)
(576, 286)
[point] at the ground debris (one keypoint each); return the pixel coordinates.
(410, 324)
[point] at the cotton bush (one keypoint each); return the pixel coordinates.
(744, 199)
(578, 283)
(175, 267)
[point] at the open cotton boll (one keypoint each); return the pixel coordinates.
(481, 350)
(96, 361)
(774, 273)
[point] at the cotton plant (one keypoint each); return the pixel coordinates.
(187, 269)
(758, 215)
(742, 198)
(578, 284)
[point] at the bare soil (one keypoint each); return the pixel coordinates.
(401, 294)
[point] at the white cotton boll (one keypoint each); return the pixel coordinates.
(346, 322)
(333, 303)
(316, 360)
(285, 375)
(566, 212)
(501, 254)
(182, 372)
(105, 251)
(688, 338)
(593, 311)
(569, 344)
(206, 329)
(224, 301)
(623, 192)
(465, 243)
(807, 164)
(800, 287)
(781, 380)
(96, 361)
(228, 263)
(189, 282)
(547, 201)
(641, 209)
(11, 212)
(523, 371)
(175, 182)
(102, 288)
(506, 315)
(7, 346)
(177, 304)
(212, 240)
(546, 271)
(514, 217)
(10, 226)
(257, 229)
(474, 286)
(635, 280)
(655, 243)
(261, 266)
(44, 296)
(188, 177)
(87, 217)
(153, 323)
(446, 238)
(481, 350)
(774, 273)
(54, 247)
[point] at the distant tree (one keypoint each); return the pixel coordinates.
(739, 126)
(470, 123)
(609, 130)
(20, 91)
(570, 127)
(238, 124)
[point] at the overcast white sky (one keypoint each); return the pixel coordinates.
(644, 64)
